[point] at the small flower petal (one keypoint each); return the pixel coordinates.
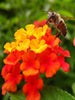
(74, 42)
(65, 66)
(9, 86)
(30, 72)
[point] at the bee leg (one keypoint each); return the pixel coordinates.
(55, 30)
(58, 34)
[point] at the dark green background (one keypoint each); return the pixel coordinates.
(15, 14)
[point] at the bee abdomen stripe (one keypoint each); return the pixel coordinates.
(62, 27)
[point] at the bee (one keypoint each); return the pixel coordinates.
(57, 21)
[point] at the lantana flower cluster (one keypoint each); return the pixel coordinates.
(34, 51)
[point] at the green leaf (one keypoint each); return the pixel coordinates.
(66, 13)
(73, 88)
(17, 96)
(54, 93)
(48, 93)
(6, 97)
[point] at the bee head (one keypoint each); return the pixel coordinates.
(51, 16)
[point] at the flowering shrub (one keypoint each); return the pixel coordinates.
(34, 51)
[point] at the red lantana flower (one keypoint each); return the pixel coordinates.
(34, 51)
(12, 77)
(40, 23)
(32, 87)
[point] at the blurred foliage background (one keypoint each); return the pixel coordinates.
(15, 14)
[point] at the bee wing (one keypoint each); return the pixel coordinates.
(66, 18)
(48, 11)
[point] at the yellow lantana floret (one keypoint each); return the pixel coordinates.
(29, 27)
(44, 29)
(29, 30)
(10, 46)
(39, 32)
(23, 39)
(20, 35)
(23, 45)
(38, 46)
